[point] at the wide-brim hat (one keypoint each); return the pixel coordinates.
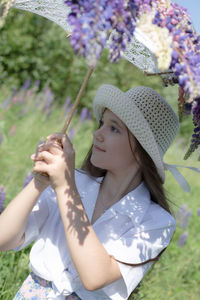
(146, 114)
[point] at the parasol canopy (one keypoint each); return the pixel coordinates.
(137, 51)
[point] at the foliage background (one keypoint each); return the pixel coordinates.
(33, 48)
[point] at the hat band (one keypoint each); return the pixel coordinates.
(178, 176)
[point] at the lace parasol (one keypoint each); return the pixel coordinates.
(137, 51)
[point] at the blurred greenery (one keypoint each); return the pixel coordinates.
(36, 48)
(32, 47)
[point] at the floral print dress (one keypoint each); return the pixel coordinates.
(36, 288)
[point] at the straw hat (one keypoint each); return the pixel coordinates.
(146, 114)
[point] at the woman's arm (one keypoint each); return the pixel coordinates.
(95, 266)
(13, 219)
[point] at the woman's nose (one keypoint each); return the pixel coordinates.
(98, 135)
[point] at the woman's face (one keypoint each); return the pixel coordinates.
(111, 148)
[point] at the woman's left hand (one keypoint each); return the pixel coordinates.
(57, 159)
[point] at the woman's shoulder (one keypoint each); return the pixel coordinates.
(155, 216)
(144, 213)
(159, 217)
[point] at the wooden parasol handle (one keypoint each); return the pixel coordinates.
(81, 91)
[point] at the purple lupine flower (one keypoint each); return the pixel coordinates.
(198, 212)
(83, 115)
(92, 23)
(49, 112)
(28, 178)
(185, 58)
(183, 216)
(195, 141)
(5, 103)
(2, 197)
(69, 109)
(188, 109)
(49, 97)
(181, 103)
(89, 116)
(72, 132)
(22, 97)
(1, 138)
(67, 106)
(37, 83)
(23, 91)
(184, 62)
(26, 84)
(23, 112)
(36, 86)
(183, 238)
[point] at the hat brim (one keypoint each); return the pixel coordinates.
(107, 97)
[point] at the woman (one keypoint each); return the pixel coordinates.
(98, 230)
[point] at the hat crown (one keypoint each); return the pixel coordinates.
(158, 113)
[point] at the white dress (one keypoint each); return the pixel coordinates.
(133, 230)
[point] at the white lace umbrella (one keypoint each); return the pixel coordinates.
(137, 52)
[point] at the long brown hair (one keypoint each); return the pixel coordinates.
(148, 169)
(150, 176)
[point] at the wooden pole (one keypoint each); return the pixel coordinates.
(159, 73)
(75, 105)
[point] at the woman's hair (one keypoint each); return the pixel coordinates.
(148, 169)
(150, 176)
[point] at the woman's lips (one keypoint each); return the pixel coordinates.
(98, 148)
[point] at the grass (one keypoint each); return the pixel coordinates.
(177, 274)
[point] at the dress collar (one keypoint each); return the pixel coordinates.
(134, 204)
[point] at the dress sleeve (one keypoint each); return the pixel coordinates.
(135, 249)
(37, 218)
(135, 245)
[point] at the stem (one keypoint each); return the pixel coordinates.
(159, 73)
(81, 91)
(5, 6)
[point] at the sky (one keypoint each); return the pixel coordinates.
(193, 7)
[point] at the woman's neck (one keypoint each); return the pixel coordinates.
(112, 189)
(120, 184)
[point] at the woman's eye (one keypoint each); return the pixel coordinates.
(114, 129)
(100, 123)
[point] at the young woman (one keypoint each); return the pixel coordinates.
(98, 230)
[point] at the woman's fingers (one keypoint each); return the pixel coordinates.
(61, 138)
(56, 144)
(45, 156)
(56, 158)
(53, 147)
(41, 167)
(55, 137)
